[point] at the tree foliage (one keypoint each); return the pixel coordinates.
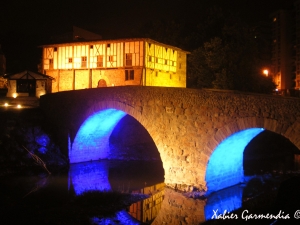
(224, 51)
(229, 61)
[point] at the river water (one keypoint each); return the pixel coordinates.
(161, 206)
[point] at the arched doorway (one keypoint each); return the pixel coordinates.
(102, 83)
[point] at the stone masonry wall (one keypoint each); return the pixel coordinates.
(185, 124)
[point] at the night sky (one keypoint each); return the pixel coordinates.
(26, 24)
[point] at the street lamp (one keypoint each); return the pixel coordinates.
(266, 72)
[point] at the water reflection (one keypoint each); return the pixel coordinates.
(226, 200)
(130, 177)
(164, 205)
(89, 176)
(148, 209)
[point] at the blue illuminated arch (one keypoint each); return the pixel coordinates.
(225, 166)
(92, 139)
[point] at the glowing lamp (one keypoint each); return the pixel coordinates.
(266, 72)
(5, 104)
(42, 93)
(19, 106)
(14, 95)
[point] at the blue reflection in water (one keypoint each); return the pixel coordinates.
(92, 139)
(121, 217)
(89, 176)
(225, 166)
(92, 176)
(223, 201)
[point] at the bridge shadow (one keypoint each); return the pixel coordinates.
(268, 152)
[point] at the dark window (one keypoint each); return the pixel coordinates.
(128, 59)
(83, 61)
(50, 63)
(129, 74)
(26, 86)
(100, 61)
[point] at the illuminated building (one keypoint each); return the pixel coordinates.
(2, 62)
(105, 63)
(27, 83)
(286, 48)
(3, 82)
(297, 45)
(282, 59)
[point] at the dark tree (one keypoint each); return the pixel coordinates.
(225, 52)
(229, 60)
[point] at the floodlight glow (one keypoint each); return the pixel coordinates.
(19, 106)
(14, 95)
(92, 139)
(43, 141)
(5, 104)
(225, 166)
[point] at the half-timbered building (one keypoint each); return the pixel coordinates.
(104, 63)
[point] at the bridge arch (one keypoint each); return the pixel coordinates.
(186, 125)
(224, 164)
(92, 138)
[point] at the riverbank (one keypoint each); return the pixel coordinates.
(75, 210)
(23, 142)
(24, 102)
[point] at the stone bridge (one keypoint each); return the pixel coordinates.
(200, 134)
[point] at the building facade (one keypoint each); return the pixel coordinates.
(286, 49)
(28, 83)
(2, 62)
(105, 63)
(282, 50)
(297, 44)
